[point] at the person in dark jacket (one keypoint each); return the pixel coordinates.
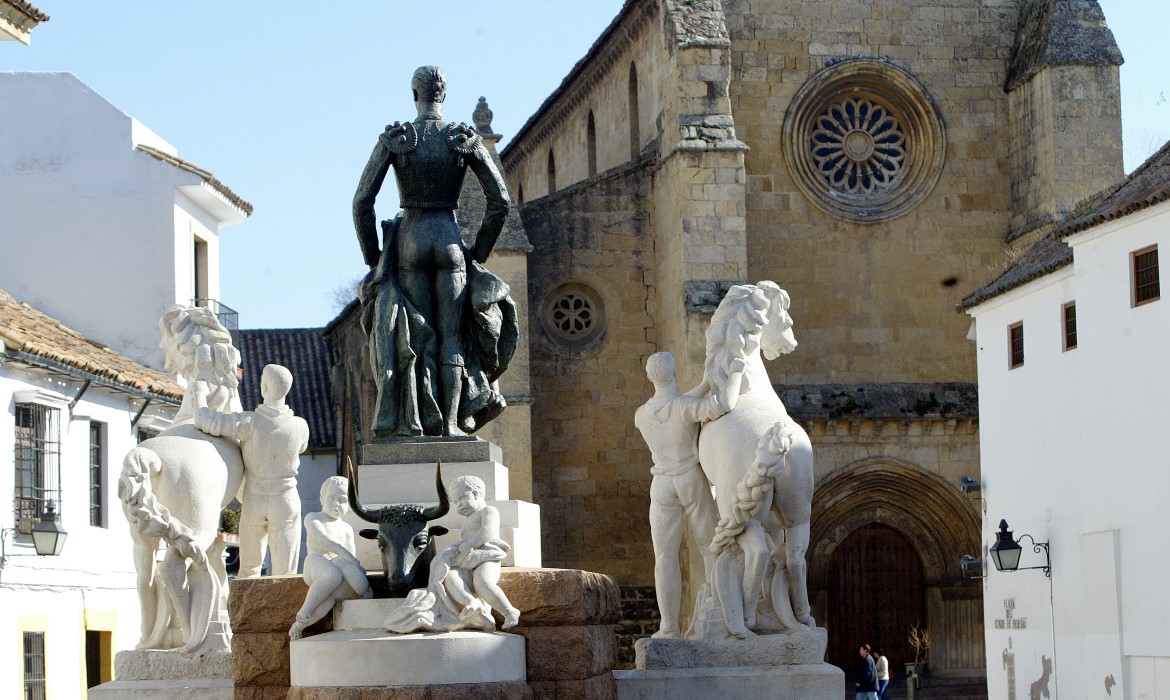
(868, 685)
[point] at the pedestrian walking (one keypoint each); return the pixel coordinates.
(867, 686)
(882, 664)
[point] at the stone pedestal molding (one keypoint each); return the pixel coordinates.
(355, 658)
(767, 665)
(155, 674)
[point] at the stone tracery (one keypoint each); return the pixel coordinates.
(864, 141)
(858, 146)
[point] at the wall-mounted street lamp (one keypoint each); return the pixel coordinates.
(1005, 553)
(970, 486)
(48, 536)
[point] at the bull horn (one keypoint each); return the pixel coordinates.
(358, 509)
(437, 511)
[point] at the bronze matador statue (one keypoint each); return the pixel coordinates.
(441, 328)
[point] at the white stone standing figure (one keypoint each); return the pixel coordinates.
(669, 423)
(331, 569)
(271, 441)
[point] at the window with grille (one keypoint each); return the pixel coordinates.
(97, 473)
(34, 666)
(38, 464)
(1069, 324)
(145, 434)
(1146, 285)
(1015, 345)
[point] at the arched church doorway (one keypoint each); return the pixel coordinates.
(876, 593)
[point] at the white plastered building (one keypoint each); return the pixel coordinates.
(71, 409)
(104, 227)
(1072, 345)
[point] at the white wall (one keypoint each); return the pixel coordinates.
(87, 219)
(92, 584)
(1072, 452)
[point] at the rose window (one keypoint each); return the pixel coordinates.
(858, 146)
(573, 314)
(863, 140)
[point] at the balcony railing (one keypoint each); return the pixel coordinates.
(228, 316)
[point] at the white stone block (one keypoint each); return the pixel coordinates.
(365, 658)
(363, 614)
(383, 484)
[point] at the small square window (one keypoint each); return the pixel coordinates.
(1069, 324)
(1016, 345)
(1146, 284)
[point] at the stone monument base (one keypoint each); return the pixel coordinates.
(404, 472)
(514, 690)
(804, 647)
(766, 665)
(192, 689)
(156, 674)
(803, 681)
(370, 658)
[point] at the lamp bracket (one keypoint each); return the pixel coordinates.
(1037, 547)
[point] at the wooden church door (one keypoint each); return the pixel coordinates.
(876, 594)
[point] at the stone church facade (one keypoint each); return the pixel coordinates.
(876, 159)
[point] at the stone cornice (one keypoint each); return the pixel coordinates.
(576, 87)
(900, 403)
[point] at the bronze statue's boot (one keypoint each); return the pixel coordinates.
(451, 384)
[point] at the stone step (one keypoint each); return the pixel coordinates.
(368, 658)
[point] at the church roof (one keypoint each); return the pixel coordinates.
(1060, 33)
(1146, 186)
(566, 88)
(305, 353)
(32, 336)
(210, 179)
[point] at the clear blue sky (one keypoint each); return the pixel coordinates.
(283, 102)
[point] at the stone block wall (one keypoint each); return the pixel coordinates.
(591, 469)
(639, 620)
(1066, 140)
(566, 616)
(874, 301)
(261, 611)
(624, 111)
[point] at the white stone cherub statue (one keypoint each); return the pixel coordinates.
(464, 578)
(331, 569)
(271, 441)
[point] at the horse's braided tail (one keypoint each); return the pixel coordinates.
(754, 486)
(145, 513)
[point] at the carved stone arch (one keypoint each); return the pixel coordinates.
(928, 510)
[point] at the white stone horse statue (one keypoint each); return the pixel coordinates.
(760, 463)
(173, 488)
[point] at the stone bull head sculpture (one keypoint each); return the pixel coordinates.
(406, 543)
